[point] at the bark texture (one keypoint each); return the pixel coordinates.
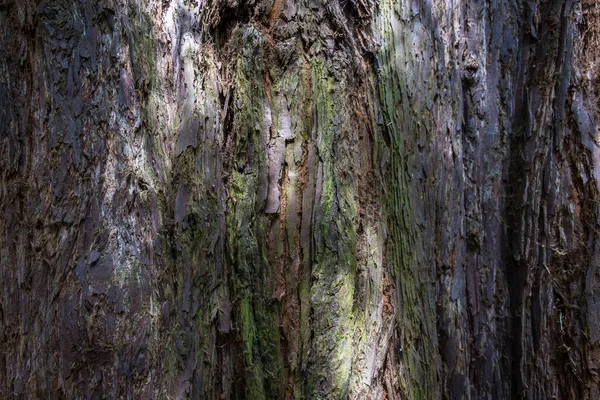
(300, 199)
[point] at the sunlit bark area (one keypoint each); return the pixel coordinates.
(299, 199)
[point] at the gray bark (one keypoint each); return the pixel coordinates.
(223, 199)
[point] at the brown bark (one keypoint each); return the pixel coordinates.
(299, 199)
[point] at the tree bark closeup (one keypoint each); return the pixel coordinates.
(299, 199)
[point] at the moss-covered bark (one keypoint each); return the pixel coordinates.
(299, 199)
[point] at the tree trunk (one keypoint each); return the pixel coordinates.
(314, 199)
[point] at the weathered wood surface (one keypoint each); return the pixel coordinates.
(226, 199)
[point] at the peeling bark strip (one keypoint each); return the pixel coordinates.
(289, 199)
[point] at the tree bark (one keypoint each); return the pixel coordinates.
(281, 199)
